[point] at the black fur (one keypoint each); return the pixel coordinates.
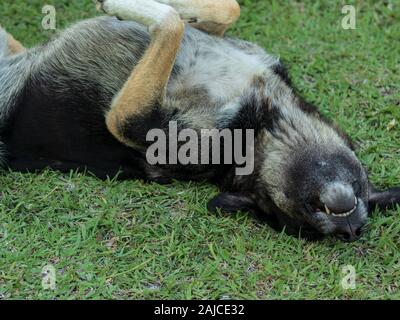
(64, 132)
(282, 71)
(136, 128)
(256, 113)
(384, 200)
(232, 202)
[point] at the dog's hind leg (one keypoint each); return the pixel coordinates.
(211, 16)
(8, 45)
(145, 89)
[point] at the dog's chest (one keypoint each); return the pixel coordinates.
(216, 70)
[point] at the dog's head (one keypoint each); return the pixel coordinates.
(322, 188)
(308, 180)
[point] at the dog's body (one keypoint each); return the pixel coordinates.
(69, 86)
(75, 103)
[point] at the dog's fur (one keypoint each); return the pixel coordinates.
(86, 100)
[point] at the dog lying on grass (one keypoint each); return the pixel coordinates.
(88, 99)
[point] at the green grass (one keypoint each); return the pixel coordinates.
(132, 240)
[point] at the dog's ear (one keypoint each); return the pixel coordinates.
(231, 203)
(383, 199)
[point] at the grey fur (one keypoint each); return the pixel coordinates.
(3, 43)
(14, 73)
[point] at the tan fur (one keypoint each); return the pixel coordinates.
(14, 46)
(147, 84)
(212, 16)
(222, 12)
(212, 28)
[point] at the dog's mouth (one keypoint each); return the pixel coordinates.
(346, 226)
(323, 208)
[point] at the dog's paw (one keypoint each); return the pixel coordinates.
(99, 4)
(154, 15)
(108, 7)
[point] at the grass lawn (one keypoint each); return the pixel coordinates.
(132, 240)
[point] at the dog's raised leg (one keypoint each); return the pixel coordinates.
(145, 89)
(212, 16)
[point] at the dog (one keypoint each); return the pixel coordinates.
(87, 99)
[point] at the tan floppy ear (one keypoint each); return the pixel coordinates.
(383, 199)
(232, 202)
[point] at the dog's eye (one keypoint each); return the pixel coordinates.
(357, 188)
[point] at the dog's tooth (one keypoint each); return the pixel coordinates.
(345, 214)
(327, 210)
(342, 214)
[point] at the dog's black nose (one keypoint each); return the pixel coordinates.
(348, 231)
(338, 198)
(349, 235)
